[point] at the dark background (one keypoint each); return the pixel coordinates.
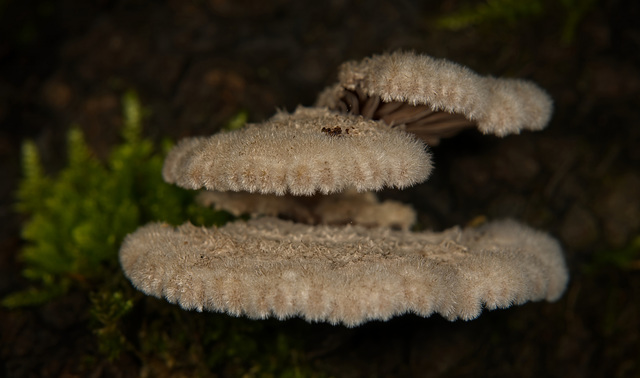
(196, 64)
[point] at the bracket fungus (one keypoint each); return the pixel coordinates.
(435, 98)
(341, 208)
(340, 255)
(270, 267)
(312, 150)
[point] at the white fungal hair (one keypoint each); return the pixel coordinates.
(363, 269)
(310, 151)
(436, 98)
(348, 207)
(268, 267)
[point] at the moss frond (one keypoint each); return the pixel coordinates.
(507, 11)
(78, 218)
(490, 13)
(76, 221)
(108, 309)
(625, 259)
(132, 116)
(34, 184)
(238, 121)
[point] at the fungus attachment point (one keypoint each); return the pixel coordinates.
(435, 98)
(310, 151)
(348, 207)
(349, 275)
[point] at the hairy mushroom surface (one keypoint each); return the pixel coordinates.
(348, 207)
(270, 267)
(313, 150)
(435, 98)
(316, 166)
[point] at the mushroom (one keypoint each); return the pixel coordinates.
(350, 206)
(312, 150)
(435, 98)
(349, 275)
(342, 261)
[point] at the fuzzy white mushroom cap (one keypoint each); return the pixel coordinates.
(268, 267)
(497, 106)
(310, 151)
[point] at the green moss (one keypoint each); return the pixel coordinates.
(173, 341)
(492, 13)
(78, 218)
(237, 121)
(107, 310)
(76, 221)
(575, 10)
(627, 258)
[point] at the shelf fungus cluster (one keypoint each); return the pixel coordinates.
(319, 244)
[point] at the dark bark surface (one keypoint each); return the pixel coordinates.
(196, 64)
